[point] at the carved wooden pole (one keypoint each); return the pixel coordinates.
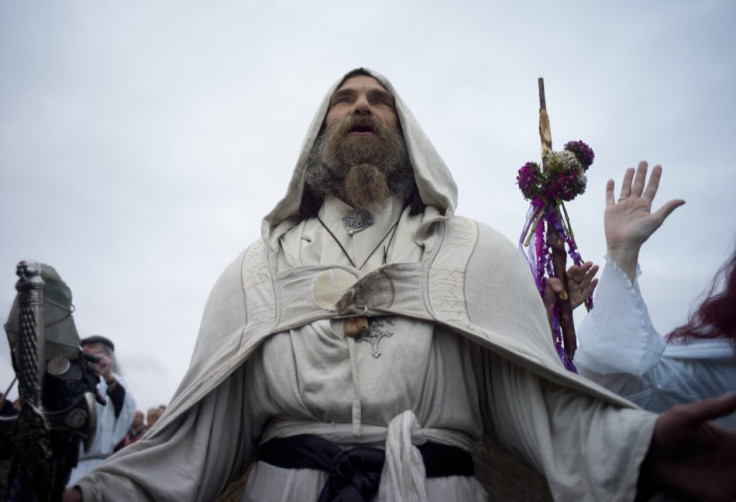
(555, 242)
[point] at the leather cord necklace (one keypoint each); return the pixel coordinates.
(360, 327)
(391, 232)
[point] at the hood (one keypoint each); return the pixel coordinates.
(434, 181)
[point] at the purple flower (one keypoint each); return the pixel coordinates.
(582, 152)
(529, 179)
(563, 178)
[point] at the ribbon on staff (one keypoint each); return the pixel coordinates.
(547, 237)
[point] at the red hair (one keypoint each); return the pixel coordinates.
(716, 316)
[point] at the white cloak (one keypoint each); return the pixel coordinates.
(461, 278)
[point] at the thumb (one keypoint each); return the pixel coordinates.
(555, 284)
(664, 211)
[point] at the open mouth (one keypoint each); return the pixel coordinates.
(361, 128)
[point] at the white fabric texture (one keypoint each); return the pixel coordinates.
(419, 368)
(109, 432)
(403, 476)
(470, 352)
(619, 348)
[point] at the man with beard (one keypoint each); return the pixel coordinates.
(361, 157)
(370, 338)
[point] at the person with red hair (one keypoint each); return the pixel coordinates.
(619, 347)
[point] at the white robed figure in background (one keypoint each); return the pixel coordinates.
(113, 418)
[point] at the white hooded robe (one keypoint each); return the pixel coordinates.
(470, 353)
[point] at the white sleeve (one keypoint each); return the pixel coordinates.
(585, 448)
(190, 459)
(617, 336)
(620, 350)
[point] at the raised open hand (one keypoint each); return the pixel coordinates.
(629, 222)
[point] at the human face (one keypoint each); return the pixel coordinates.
(100, 350)
(138, 419)
(363, 96)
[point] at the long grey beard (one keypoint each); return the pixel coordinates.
(362, 172)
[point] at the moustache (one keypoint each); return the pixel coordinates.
(362, 123)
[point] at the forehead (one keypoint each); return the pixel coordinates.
(360, 82)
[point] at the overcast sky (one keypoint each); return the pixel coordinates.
(141, 143)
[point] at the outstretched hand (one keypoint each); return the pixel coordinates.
(692, 457)
(629, 222)
(580, 284)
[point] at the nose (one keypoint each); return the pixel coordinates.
(362, 105)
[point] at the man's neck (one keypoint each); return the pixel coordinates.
(334, 212)
(331, 204)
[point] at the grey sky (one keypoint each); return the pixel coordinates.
(141, 143)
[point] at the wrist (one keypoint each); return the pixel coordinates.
(626, 258)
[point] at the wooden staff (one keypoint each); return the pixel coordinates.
(555, 242)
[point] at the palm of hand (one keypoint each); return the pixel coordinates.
(630, 222)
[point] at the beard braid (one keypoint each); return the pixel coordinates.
(361, 171)
(366, 187)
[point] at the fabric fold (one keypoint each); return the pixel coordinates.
(404, 476)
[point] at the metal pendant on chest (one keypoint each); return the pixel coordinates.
(357, 220)
(370, 330)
